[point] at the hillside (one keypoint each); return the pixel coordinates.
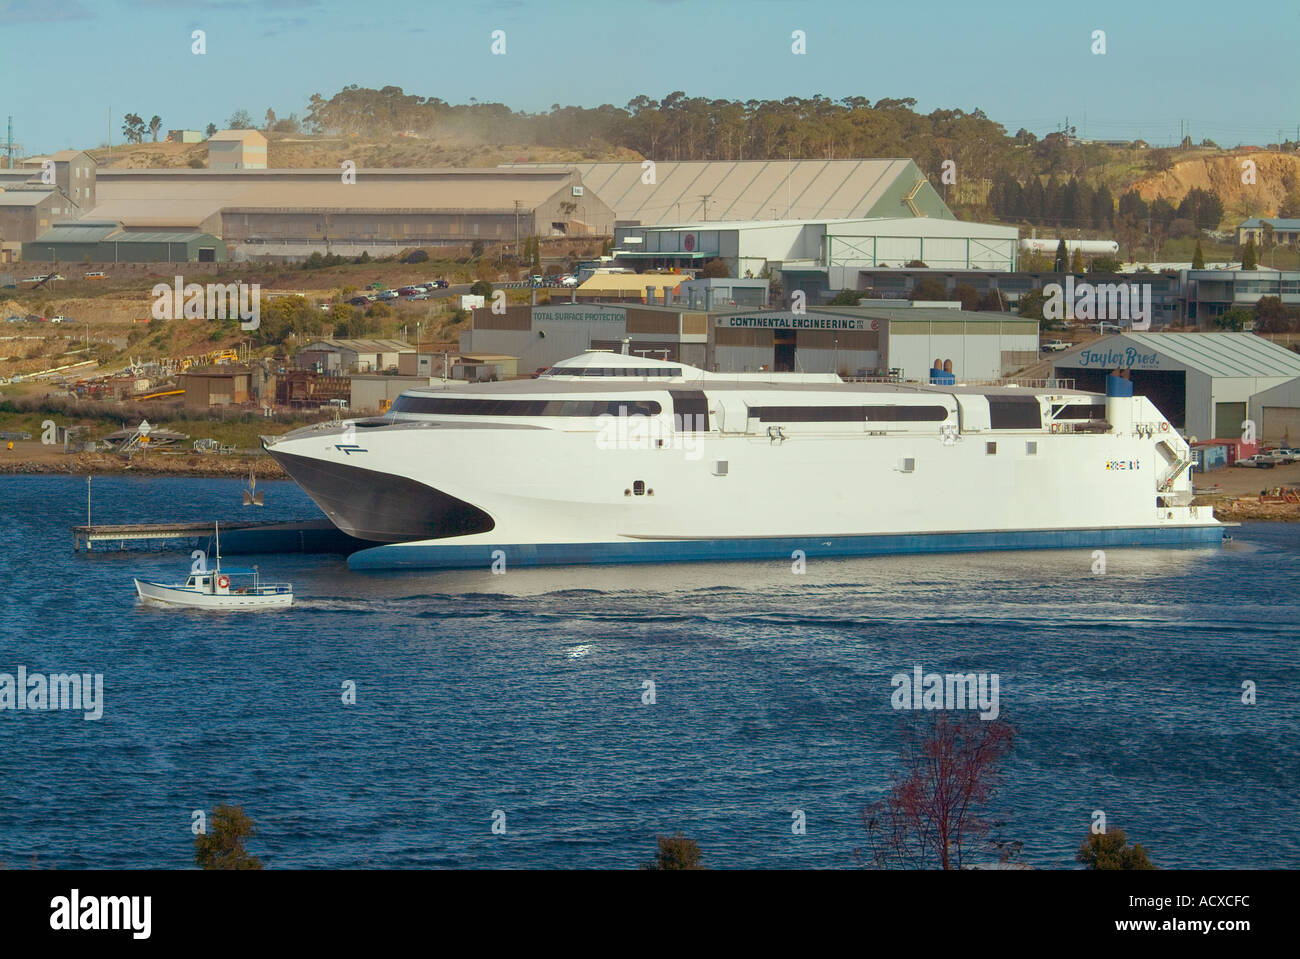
(1277, 176)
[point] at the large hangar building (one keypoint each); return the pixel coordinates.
(887, 340)
(1205, 383)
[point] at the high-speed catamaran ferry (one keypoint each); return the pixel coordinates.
(609, 458)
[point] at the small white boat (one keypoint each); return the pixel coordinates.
(219, 589)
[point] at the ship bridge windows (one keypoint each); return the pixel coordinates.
(1014, 413)
(690, 411)
(895, 413)
(1079, 411)
(464, 406)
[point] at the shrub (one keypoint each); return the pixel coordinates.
(1109, 850)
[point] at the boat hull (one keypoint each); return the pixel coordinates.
(191, 598)
(449, 555)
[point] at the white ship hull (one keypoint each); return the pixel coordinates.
(473, 490)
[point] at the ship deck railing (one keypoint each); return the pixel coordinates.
(1050, 383)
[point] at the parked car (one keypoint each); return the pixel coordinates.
(1259, 461)
(537, 279)
(360, 301)
(1286, 455)
(568, 279)
(1055, 346)
(388, 295)
(96, 275)
(410, 290)
(419, 296)
(16, 319)
(437, 284)
(61, 319)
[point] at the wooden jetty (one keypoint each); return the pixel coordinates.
(89, 536)
(304, 536)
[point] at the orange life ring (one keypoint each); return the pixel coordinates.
(1164, 427)
(223, 581)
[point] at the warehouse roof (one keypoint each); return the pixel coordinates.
(630, 282)
(1217, 354)
(23, 197)
(1277, 222)
(238, 135)
(1224, 354)
(755, 189)
(891, 311)
(161, 236)
(62, 155)
(360, 346)
(188, 197)
(82, 231)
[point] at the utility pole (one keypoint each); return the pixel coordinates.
(516, 230)
(705, 198)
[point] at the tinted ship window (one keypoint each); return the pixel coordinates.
(1015, 413)
(456, 406)
(849, 414)
(1080, 411)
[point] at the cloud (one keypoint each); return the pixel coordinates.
(278, 26)
(43, 11)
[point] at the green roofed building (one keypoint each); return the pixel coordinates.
(105, 241)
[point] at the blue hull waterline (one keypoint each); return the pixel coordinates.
(434, 556)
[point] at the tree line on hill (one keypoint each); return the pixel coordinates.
(681, 127)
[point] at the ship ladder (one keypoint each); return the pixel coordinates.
(1176, 470)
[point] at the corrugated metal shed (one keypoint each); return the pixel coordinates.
(24, 197)
(83, 231)
(360, 345)
(188, 197)
(1221, 354)
(760, 189)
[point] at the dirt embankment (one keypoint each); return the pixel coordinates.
(1236, 509)
(1235, 493)
(1275, 176)
(31, 458)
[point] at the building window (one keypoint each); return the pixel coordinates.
(638, 488)
(991, 449)
(1031, 448)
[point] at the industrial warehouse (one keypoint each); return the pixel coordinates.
(885, 339)
(1207, 384)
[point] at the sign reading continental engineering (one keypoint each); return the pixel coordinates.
(793, 321)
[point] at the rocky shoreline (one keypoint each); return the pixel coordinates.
(188, 464)
(1241, 508)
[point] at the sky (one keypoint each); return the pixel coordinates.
(1223, 71)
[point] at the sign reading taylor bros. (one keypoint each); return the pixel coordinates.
(1127, 358)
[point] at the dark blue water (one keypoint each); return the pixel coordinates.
(523, 693)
